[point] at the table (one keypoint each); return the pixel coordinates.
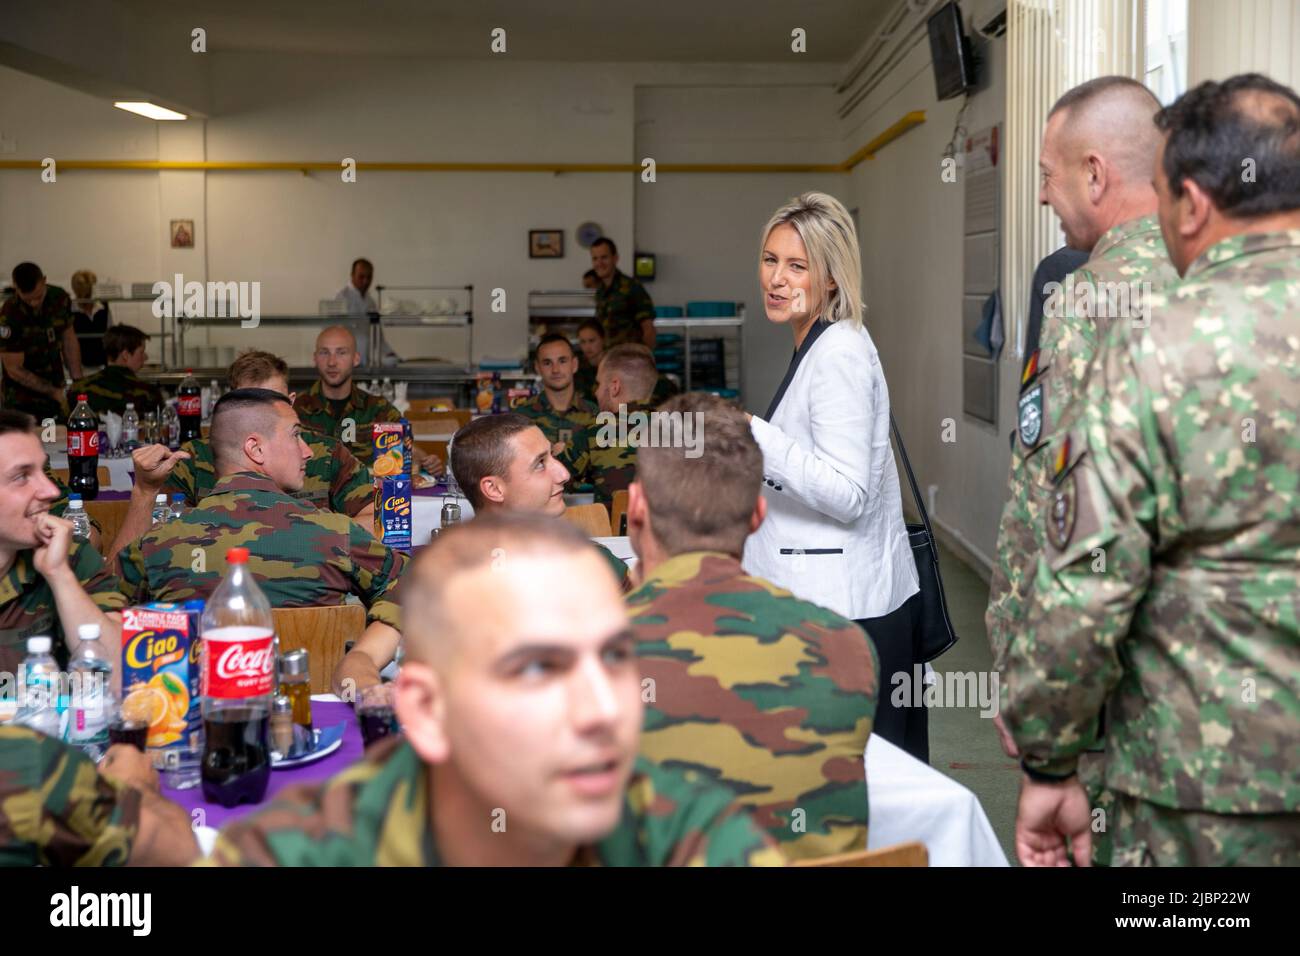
(121, 473)
(910, 800)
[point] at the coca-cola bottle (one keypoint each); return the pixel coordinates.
(238, 686)
(189, 407)
(83, 451)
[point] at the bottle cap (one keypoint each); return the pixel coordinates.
(74, 496)
(282, 705)
(161, 499)
(88, 632)
(294, 663)
(178, 496)
(38, 645)
(81, 398)
(130, 405)
(237, 556)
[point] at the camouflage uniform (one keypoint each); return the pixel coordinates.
(584, 381)
(665, 389)
(758, 690)
(27, 605)
(560, 426)
(109, 389)
(617, 565)
(361, 407)
(1181, 476)
(621, 308)
(301, 557)
(597, 459)
(39, 336)
(335, 480)
(1054, 381)
(55, 810)
(377, 813)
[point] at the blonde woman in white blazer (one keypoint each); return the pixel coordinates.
(834, 532)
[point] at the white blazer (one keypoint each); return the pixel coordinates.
(832, 486)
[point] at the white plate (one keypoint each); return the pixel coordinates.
(307, 758)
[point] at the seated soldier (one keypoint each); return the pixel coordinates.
(603, 454)
(519, 722)
(591, 346)
(50, 584)
(503, 463)
(301, 556)
(55, 810)
(118, 382)
(558, 411)
(753, 688)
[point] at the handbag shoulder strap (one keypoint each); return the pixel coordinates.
(911, 478)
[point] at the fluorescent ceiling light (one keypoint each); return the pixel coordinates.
(150, 110)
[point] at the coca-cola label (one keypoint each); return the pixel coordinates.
(83, 444)
(189, 405)
(241, 666)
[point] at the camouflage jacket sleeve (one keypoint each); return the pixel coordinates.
(643, 306)
(182, 481)
(577, 457)
(55, 810)
(350, 489)
(133, 578)
(1100, 525)
(375, 569)
(618, 566)
(96, 579)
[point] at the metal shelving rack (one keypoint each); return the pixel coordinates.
(730, 329)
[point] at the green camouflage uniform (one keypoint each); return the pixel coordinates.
(27, 604)
(1053, 384)
(55, 810)
(335, 480)
(665, 389)
(377, 813)
(584, 381)
(361, 408)
(597, 459)
(39, 337)
(755, 689)
(559, 426)
(617, 565)
(301, 556)
(109, 389)
(1181, 476)
(621, 308)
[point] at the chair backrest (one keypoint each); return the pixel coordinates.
(424, 424)
(617, 511)
(593, 519)
(109, 515)
(911, 853)
(105, 479)
(323, 631)
(423, 408)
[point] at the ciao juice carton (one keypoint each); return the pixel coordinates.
(160, 674)
(390, 451)
(393, 512)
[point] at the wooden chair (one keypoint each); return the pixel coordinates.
(424, 424)
(109, 515)
(323, 631)
(617, 512)
(423, 408)
(912, 853)
(105, 479)
(592, 519)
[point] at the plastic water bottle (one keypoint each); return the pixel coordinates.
(92, 694)
(161, 512)
(130, 428)
(178, 505)
(76, 514)
(171, 427)
(38, 708)
(387, 389)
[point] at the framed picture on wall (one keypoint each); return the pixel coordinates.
(182, 233)
(545, 243)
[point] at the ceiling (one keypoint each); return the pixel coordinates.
(565, 30)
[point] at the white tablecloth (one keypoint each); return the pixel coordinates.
(912, 801)
(119, 469)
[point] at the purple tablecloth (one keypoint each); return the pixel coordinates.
(323, 714)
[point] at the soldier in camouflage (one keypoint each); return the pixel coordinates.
(335, 405)
(300, 556)
(37, 339)
(603, 454)
(558, 411)
(752, 687)
(623, 306)
(1098, 151)
(591, 346)
(50, 584)
(118, 382)
(57, 809)
(1168, 589)
(520, 723)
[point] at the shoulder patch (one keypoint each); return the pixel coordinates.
(1061, 514)
(1030, 416)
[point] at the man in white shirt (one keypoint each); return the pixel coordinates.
(360, 304)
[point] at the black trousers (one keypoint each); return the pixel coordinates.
(896, 640)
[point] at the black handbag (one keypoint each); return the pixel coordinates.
(933, 624)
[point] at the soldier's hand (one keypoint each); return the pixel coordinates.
(430, 462)
(53, 541)
(153, 463)
(1005, 739)
(1051, 818)
(129, 766)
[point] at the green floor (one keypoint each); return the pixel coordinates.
(963, 744)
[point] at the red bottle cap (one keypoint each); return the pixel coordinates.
(237, 556)
(81, 398)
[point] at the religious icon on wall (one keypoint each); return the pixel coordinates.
(182, 233)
